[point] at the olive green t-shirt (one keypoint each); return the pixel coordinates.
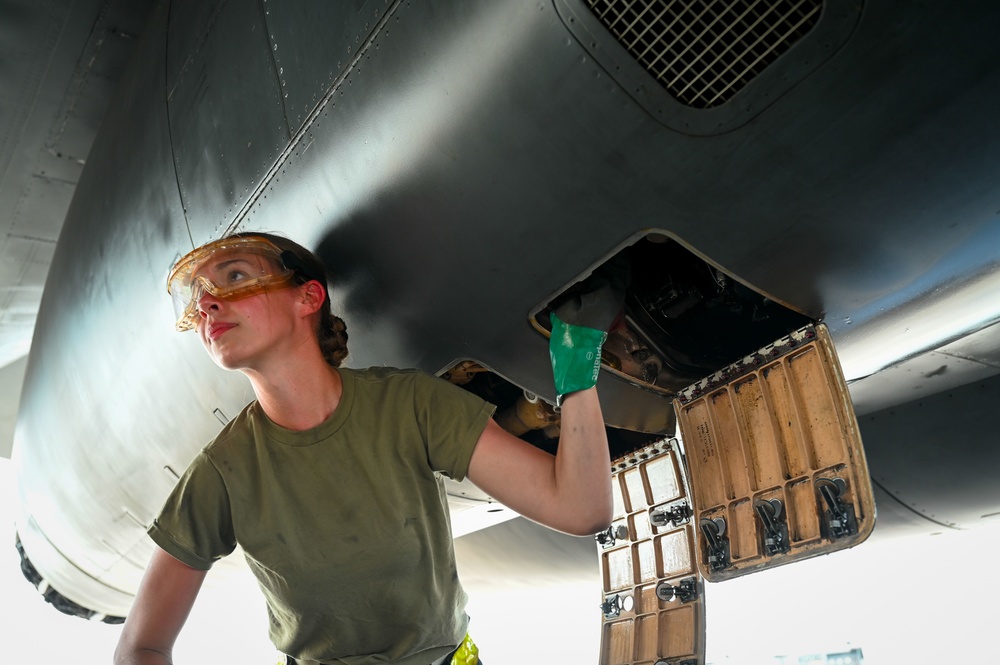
(345, 525)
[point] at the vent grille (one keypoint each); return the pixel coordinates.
(704, 52)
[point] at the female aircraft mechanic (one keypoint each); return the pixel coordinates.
(327, 480)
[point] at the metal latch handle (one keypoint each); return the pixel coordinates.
(775, 529)
(718, 547)
(840, 517)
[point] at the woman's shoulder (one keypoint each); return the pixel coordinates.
(236, 430)
(387, 376)
(381, 372)
(394, 381)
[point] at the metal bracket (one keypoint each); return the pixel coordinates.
(612, 535)
(775, 528)
(685, 592)
(677, 514)
(840, 518)
(717, 546)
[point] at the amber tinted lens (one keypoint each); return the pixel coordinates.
(185, 298)
(229, 269)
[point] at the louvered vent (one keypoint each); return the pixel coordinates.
(704, 52)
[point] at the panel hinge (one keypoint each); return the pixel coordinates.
(685, 592)
(676, 514)
(717, 546)
(775, 528)
(840, 518)
(748, 364)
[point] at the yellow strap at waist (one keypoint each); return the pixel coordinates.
(467, 654)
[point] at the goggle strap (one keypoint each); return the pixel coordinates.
(292, 262)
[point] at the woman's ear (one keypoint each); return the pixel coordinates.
(313, 296)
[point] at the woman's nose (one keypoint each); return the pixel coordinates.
(207, 303)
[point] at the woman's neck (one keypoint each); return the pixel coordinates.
(298, 395)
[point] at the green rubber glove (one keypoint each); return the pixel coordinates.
(575, 352)
(579, 327)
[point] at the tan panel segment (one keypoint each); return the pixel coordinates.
(743, 531)
(803, 526)
(678, 629)
(653, 602)
(646, 600)
(635, 490)
(641, 528)
(818, 408)
(784, 414)
(701, 445)
(618, 569)
(757, 434)
(645, 553)
(734, 478)
(777, 467)
(675, 553)
(663, 479)
(618, 642)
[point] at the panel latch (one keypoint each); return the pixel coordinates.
(718, 547)
(614, 605)
(676, 514)
(612, 535)
(685, 591)
(840, 518)
(775, 528)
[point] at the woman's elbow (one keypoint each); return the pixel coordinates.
(592, 522)
(127, 654)
(132, 650)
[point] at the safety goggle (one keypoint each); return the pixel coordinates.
(229, 269)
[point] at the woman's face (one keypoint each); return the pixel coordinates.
(239, 293)
(242, 333)
(229, 269)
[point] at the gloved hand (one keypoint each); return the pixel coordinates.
(580, 324)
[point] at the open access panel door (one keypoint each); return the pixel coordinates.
(653, 601)
(778, 473)
(769, 470)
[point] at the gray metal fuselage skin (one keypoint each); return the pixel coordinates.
(458, 164)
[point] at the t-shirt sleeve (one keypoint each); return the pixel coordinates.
(451, 420)
(195, 525)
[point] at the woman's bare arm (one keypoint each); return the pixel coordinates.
(166, 595)
(570, 492)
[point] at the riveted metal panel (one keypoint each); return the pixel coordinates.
(227, 123)
(190, 22)
(314, 42)
(125, 219)
(948, 475)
